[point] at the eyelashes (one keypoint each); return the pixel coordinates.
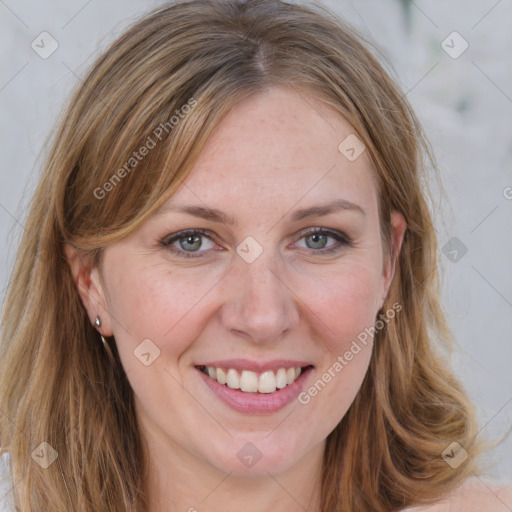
(194, 237)
(185, 235)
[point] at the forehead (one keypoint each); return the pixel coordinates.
(279, 147)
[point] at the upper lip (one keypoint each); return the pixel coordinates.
(256, 366)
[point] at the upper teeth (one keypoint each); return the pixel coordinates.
(252, 382)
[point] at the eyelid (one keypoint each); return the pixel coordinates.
(173, 237)
(337, 235)
(182, 234)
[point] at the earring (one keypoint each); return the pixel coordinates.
(105, 344)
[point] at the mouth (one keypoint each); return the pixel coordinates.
(252, 382)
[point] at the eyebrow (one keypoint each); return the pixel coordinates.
(215, 215)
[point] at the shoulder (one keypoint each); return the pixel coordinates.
(474, 495)
(6, 495)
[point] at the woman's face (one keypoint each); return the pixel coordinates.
(257, 294)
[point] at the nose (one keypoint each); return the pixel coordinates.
(259, 304)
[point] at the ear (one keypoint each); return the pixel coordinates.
(398, 228)
(87, 279)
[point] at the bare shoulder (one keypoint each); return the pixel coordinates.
(474, 495)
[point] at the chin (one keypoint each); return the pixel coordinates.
(257, 458)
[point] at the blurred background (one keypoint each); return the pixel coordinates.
(451, 58)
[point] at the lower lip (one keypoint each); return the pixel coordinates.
(256, 403)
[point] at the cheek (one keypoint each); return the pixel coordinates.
(346, 305)
(345, 313)
(158, 303)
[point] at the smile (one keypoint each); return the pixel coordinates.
(251, 387)
(249, 381)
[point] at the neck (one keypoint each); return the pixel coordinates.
(178, 480)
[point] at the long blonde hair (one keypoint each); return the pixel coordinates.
(58, 387)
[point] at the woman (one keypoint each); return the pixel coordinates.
(226, 293)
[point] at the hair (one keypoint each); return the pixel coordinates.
(56, 383)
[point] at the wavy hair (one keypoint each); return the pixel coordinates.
(56, 383)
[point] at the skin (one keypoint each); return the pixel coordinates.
(275, 152)
(474, 495)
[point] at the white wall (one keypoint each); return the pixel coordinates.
(464, 103)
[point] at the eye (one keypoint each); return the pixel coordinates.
(189, 242)
(319, 237)
(186, 244)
